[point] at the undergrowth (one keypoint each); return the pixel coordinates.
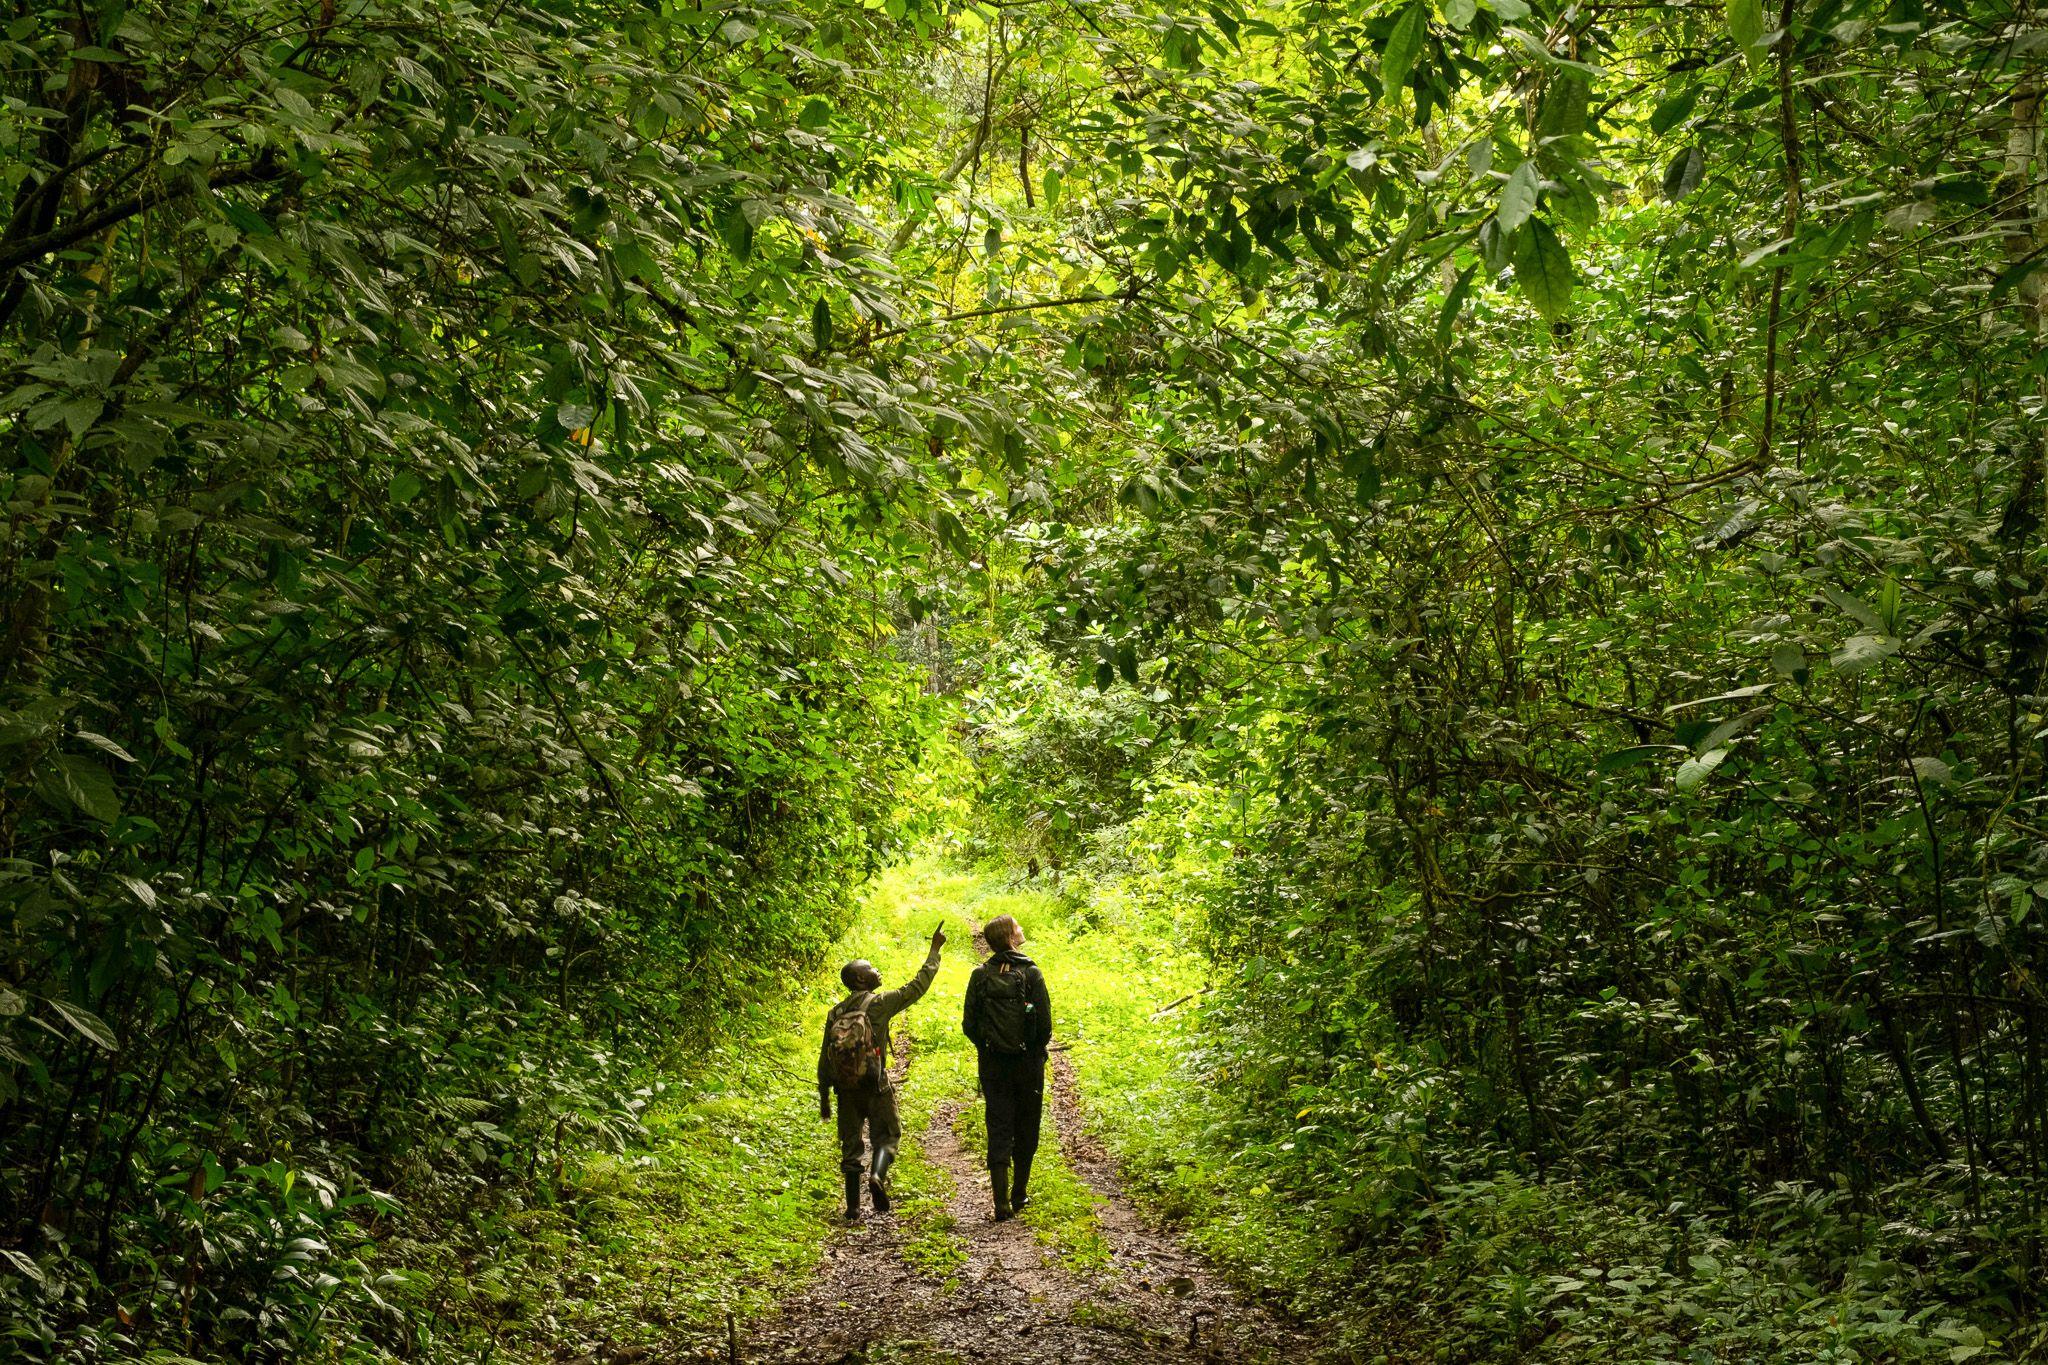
(1302, 1179)
(726, 1201)
(655, 1243)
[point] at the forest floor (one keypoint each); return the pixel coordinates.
(722, 1230)
(1033, 1291)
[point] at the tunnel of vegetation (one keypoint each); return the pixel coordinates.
(1532, 511)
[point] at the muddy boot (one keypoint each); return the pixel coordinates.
(999, 1181)
(1018, 1197)
(853, 1197)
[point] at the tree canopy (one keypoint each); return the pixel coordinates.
(1546, 498)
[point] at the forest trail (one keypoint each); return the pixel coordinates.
(1005, 1295)
(1012, 1299)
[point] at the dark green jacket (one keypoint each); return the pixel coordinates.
(882, 1006)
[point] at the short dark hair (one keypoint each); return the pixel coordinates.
(856, 974)
(1002, 932)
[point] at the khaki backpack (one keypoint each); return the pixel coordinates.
(850, 1048)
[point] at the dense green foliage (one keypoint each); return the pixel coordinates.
(426, 685)
(1527, 515)
(1625, 720)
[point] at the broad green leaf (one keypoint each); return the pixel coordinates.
(1684, 173)
(89, 1025)
(1694, 771)
(1635, 756)
(1496, 248)
(246, 218)
(79, 784)
(2015, 275)
(1859, 653)
(1543, 269)
(1518, 196)
(105, 745)
(1763, 253)
(737, 230)
(1933, 770)
(1674, 109)
(1735, 694)
(1746, 24)
(33, 721)
(634, 262)
(1854, 607)
(1563, 111)
(1404, 44)
(1728, 729)
(80, 413)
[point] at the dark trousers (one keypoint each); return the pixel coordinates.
(1013, 1088)
(875, 1110)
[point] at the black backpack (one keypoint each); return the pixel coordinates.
(1006, 1006)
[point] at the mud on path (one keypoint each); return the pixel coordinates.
(1013, 1300)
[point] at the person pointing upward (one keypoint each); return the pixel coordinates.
(853, 1065)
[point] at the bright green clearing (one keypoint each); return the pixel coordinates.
(729, 1203)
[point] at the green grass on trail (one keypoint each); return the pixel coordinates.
(1127, 996)
(726, 1207)
(1112, 962)
(730, 1202)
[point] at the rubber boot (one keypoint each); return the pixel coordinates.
(999, 1182)
(853, 1197)
(878, 1181)
(1018, 1196)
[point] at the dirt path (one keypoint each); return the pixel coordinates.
(1013, 1301)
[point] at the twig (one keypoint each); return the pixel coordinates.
(1168, 1009)
(1091, 297)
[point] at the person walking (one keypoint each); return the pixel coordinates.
(1008, 1018)
(853, 1065)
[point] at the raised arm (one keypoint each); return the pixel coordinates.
(887, 1004)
